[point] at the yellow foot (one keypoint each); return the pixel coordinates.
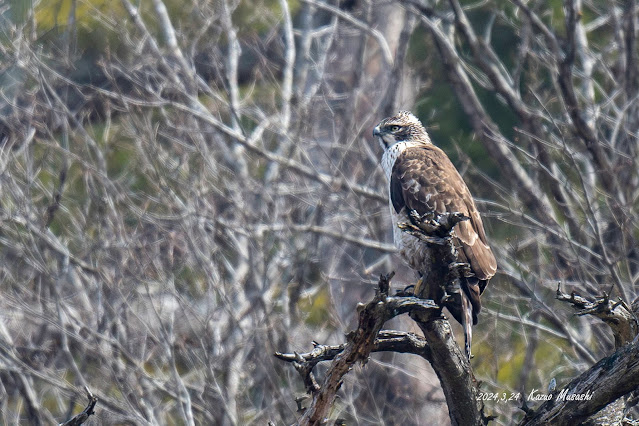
(418, 288)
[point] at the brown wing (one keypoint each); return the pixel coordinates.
(425, 180)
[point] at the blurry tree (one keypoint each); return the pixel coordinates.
(188, 187)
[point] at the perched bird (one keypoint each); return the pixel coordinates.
(422, 178)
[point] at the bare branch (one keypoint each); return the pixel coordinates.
(617, 314)
(379, 37)
(361, 343)
(608, 380)
(86, 413)
(386, 341)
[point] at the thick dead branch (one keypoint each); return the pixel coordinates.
(617, 314)
(85, 414)
(454, 372)
(608, 380)
(360, 344)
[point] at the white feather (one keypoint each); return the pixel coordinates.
(410, 248)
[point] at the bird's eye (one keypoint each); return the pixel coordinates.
(394, 128)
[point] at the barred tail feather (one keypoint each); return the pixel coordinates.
(467, 322)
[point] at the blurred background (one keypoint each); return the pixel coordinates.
(187, 187)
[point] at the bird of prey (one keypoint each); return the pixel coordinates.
(422, 178)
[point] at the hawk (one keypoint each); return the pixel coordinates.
(422, 178)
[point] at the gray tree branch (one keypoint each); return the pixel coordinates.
(609, 379)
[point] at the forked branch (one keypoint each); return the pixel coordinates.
(439, 347)
(360, 343)
(387, 341)
(617, 314)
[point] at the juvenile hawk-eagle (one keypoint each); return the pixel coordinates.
(422, 178)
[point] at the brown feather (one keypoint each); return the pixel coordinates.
(424, 179)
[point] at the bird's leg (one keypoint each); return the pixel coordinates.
(463, 268)
(452, 290)
(418, 287)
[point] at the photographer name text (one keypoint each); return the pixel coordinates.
(563, 395)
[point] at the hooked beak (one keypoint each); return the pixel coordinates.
(377, 133)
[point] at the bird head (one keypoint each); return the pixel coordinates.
(402, 127)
